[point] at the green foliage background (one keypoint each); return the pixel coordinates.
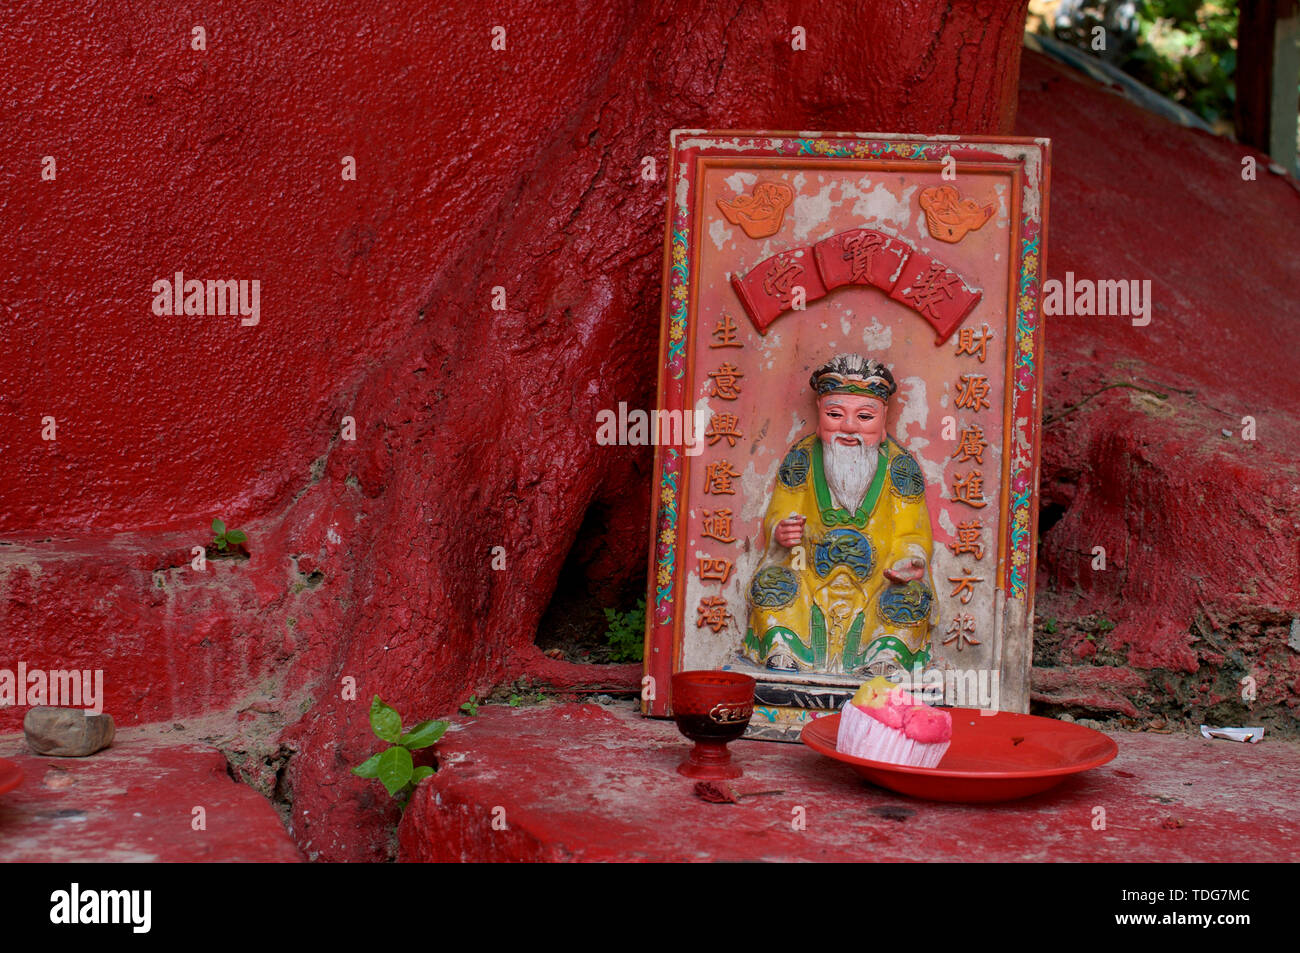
(1183, 49)
(626, 633)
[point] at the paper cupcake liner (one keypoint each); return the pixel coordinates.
(862, 736)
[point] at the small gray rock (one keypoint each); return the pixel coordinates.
(67, 732)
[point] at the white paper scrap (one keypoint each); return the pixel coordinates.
(1253, 735)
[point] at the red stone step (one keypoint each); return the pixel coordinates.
(135, 801)
(171, 642)
(586, 783)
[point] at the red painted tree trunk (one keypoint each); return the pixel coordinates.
(481, 423)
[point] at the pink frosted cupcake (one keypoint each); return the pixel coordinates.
(885, 723)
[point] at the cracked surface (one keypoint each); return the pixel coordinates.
(580, 782)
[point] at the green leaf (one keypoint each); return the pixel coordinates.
(420, 773)
(237, 536)
(221, 542)
(424, 734)
(385, 721)
(370, 767)
(626, 633)
(218, 527)
(395, 768)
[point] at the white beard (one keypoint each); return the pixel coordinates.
(849, 471)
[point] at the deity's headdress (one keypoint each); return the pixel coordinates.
(853, 374)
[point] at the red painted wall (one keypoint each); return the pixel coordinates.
(1143, 450)
(225, 163)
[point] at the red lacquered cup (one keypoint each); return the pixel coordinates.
(712, 709)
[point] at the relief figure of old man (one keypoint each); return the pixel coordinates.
(844, 585)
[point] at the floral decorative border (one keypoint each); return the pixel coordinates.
(1027, 317)
(675, 368)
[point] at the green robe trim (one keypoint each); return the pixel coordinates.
(906, 657)
(852, 657)
(818, 636)
(789, 638)
(837, 516)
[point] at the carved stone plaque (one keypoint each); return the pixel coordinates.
(850, 351)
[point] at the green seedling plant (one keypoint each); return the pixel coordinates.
(626, 633)
(393, 767)
(226, 540)
(518, 701)
(470, 707)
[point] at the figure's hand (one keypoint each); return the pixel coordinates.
(906, 570)
(789, 531)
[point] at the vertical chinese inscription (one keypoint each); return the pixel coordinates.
(973, 391)
(724, 383)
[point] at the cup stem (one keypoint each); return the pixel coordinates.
(710, 761)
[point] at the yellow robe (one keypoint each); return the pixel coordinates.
(825, 604)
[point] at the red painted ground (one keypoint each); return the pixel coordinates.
(586, 783)
(134, 802)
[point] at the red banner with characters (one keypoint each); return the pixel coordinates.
(858, 256)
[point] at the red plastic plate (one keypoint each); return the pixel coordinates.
(992, 757)
(10, 775)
